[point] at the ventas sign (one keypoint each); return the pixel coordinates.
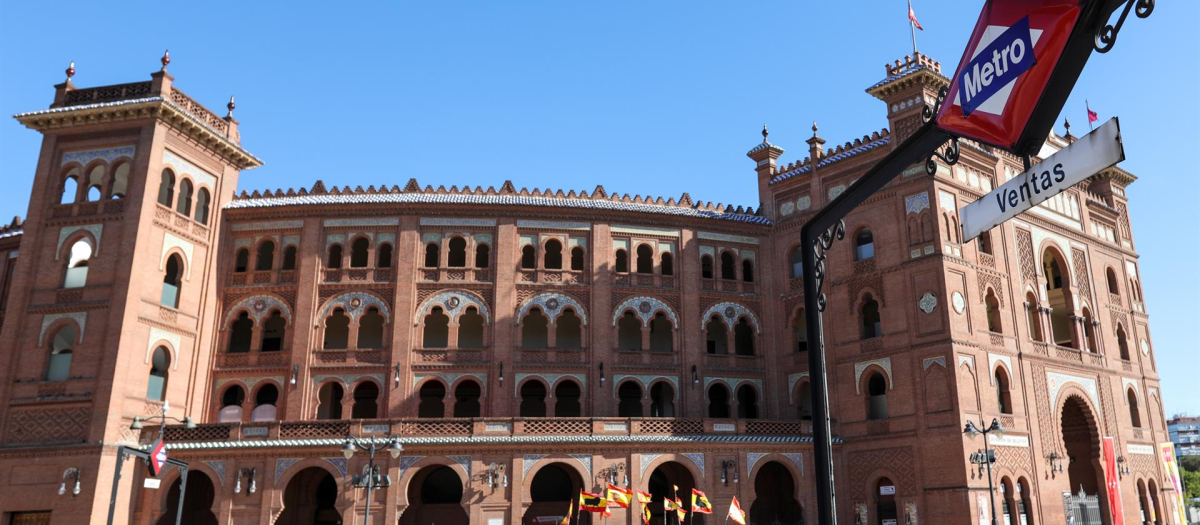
(1008, 62)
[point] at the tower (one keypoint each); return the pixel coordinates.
(909, 86)
(113, 297)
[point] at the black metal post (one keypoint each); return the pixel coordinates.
(182, 490)
(122, 451)
(987, 458)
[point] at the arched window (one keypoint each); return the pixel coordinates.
(1031, 313)
(800, 331)
(993, 312)
(629, 332)
(533, 399)
(1058, 296)
(1123, 343)
(716, 336)
(329, 401)
(667, 264)
(747, 402)
(1089, 332)
(985, 242)
(622, 265)
(629, 396)
(59, 366)
(1003, 391)
(645, 259)
(528, 258)
(864, 245)
(871, 326)
(366, 405)
(706, 267)
(265, 259)
(160, 363)
(743, 338)
(662, 400)
(431, 405)
(335, 257)
(797, 260)
(431, 255)
(172, 282)
(877, 397)
(1024, 506)
(231, 405)
(437, 329)
(1111, 277)
(96, 182)
(121, 183)
(337, 330)
(577, 259)
(370, 329)
(166, 189)
(1135, 289)
(466, 399)
(241, 333)
(264, 403)
(457, 257)
(358, 252)
(566, 399)
(534, 329)
(184, 206)
(70, 189)
(289, 258)
(747, 270)
(568, 332)
(383, 256)
(470, 329)
(552, 258)
(727, 267)
(661, 338)
(77, 264)
(805, 402)
(481, 256)
(202, 199)
(241, 261)
(274, 329)
(718, 401)
(1008, 501)
(1135, 416)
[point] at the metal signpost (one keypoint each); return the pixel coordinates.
(1018, 69)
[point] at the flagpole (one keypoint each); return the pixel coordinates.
(912, 29)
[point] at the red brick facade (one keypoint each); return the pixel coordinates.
(528, 344)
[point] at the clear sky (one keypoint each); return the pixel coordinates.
(654, 98)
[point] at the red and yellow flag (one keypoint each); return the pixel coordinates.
(736, 513)
(644, 497)
(592, 502)
(679, 510)
(619, 496)
(646, 515)
(700, 503)
(567, 519)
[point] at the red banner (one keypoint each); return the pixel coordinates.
(1112, 481)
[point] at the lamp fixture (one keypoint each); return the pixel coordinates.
(62, 488)
(726, 466)
(601, 373)
(1056, 466)
(496, 476)
(617, 471)
(295, 372)
(695, 377)
(501, 372)
(396, 375)
(248, 473)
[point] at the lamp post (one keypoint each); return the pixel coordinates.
(139, 422)
(370, 479)
(124, 452)
(986, 457)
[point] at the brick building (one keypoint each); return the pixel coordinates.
(525, 344)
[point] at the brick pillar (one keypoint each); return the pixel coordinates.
(452, 334)
(552, 334)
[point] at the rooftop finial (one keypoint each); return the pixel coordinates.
(166, 59)
(230, 105)
(765, 132)
(70, 71)
(1067, 124)
(814, 128)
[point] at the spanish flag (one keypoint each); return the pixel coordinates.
(679, 510)
(646, 515)
(668, 505)
(736, 513)
(567, 519)
(619, 496)
(700, 503)
(592, 502)
(644, 497)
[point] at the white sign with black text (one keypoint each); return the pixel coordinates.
(1085, 157)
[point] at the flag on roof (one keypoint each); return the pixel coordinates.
(912, 17)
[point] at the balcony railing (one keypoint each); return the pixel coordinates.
(437, 356)
(550, 355)
(251, 359)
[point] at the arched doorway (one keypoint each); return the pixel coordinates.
(662, 482)
(1080, 440)
(885, 502)
(309, 499)
(553, 490)
(435, 496)
(774, 497)
(197, 501)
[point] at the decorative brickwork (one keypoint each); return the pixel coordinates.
(47, 425)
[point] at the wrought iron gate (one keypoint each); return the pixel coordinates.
(1082, 509)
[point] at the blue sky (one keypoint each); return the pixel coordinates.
(644, 97)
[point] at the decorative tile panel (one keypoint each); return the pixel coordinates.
(798, 459)
(437, 221)
(1056, 380)
(966, 360)
(997, 358)
(219, 468)
(916, 203)
(170, 241)
(258, 306)
(450, 378)
(555, 225)
(408, 461)
(927, 303)
(585, 460)
(803, 203)
(267, 225)
(645, 230)
(454, 303)
(338, 463)
(106, 154)
(707, 250)
(157, 334)
(1125, 384)
(281, 466)
(644, 308)
(80, 319)
(792, 380)
(730, 313)
(380, 221)
(645, 461)
(183, 167)
(835, 191)
(483, 238)
(645, 380)
(733, 382)
(355, 303)
(751, 459)
(930, 361)
(435, 238)
(884, 363)
(464, 462)
(552, 304)
(95, 229)
(549, 379)
(528, 462)
(787, 208)
(347, 379)
(946, 201)
(388, 237)
(698, 459)
(724, 237)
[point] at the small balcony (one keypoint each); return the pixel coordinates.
(446, 356)
(538, 356)
(252, 359)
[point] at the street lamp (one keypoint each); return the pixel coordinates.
(726, 466)
(62, 489)
(138, 421)
(371, 479)
(987, 457)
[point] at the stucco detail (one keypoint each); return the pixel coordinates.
(644, 308)
(49, 319)
(552, 304)
(454, 303)
(730, 313)
(861, 366)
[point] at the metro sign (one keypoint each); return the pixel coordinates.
(158, 457)
(1013, 51)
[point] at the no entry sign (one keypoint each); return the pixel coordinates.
(1093, 152)
(1006, 67)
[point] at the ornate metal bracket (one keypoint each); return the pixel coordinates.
(1108, 34)
(927, 113)
(950, 156)
(823, 244)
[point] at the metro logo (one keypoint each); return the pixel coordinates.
(996, 66)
